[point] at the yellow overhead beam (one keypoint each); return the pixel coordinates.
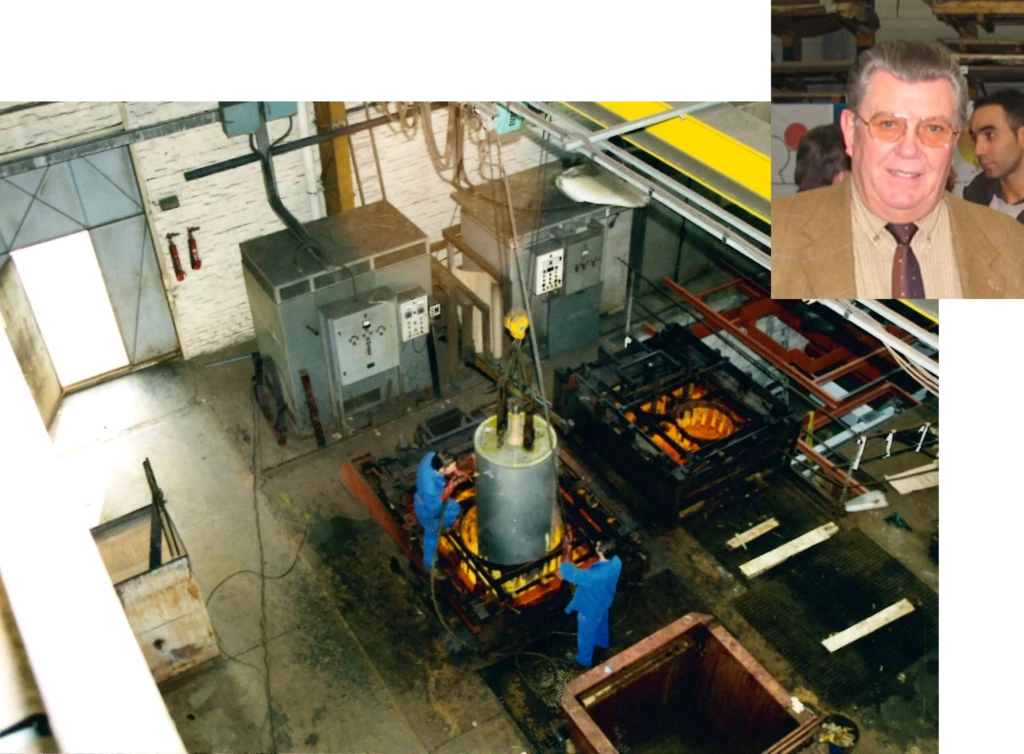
(727, 156)
(924, 311)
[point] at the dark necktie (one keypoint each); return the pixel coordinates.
(906, 271)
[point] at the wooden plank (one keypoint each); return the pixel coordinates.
(751, 534)
(977, 7)
(933, 466)
(920, 478)
(913, 484)
(868, 625)
(785, 552)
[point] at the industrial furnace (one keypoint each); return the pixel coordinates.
(347, 315)
(569, 253)
(676, 421)
(499, 562)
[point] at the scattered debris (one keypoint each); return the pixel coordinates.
(798, 706)
(836, 734)
(897, 520)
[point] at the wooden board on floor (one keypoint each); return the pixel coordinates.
(869, 625)
(781, 554)
(920, 478)
(751, 534)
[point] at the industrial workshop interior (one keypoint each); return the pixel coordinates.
(453, 427)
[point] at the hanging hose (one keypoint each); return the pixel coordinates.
(433, 572)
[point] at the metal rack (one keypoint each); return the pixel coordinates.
(967, 16)
(795, 20)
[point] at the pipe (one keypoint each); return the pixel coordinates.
(920, 333)
(635, 125)
(317, 208)
(876, 330)
(651, 172)
(263, 151)
(334, 133)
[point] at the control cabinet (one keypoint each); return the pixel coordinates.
(363, 334)
(584, 250)
(548, 271)
(413, 317)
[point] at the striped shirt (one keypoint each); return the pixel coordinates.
(874, 249)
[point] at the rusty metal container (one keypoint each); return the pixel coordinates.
(689, 688)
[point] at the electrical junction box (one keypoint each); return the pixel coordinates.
(547, 271)
(363, 336)
(502, 122)
(241, 118)
(413, 317)
(506, 121)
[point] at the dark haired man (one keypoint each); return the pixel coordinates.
(821, 158)
(997, 127)
(436, 479)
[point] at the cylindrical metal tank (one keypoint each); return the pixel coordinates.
(518, 518)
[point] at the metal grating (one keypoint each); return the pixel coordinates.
(829, 588)
(789, 499)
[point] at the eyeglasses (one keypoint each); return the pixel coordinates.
(889, 127)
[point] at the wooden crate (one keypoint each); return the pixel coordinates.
(163, 604)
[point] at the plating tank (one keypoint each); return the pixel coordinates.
(518, 517)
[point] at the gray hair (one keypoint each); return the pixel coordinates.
(911, 62)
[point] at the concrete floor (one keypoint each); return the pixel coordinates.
(357, 662)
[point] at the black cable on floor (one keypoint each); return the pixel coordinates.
(263, 577)
(227, 578)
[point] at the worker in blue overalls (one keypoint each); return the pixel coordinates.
(595, 592)
(435, 481)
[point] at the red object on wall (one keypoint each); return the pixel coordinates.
(795, 132)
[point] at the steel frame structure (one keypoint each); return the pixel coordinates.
(671, 193)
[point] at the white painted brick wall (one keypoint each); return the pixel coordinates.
(210, 306)
(48, 124)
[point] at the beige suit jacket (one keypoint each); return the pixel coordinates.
(812, 247)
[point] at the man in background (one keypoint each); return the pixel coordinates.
(821, 158)
(892, 230)
(595, 592)
(997, 127)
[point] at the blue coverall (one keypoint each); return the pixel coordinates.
(429, 488)
(595, 592)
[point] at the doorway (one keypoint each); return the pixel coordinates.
(68, 295)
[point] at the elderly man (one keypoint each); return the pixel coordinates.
(997, 127)
(893, 231)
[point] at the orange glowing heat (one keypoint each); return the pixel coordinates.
(534, 586)
(684, 411)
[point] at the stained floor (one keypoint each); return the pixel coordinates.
(358, 661)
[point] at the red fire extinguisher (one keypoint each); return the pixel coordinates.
(193, 250)
(178, 272)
